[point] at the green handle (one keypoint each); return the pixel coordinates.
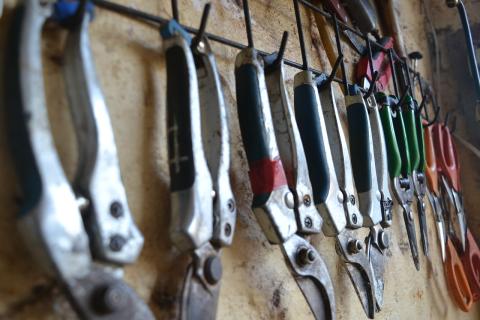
(420, 139)
(410, 123)
(401, 134)
(393, 153)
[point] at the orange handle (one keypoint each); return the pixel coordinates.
(446, 155)
(471, 264)
(431, 163)
(457, 279)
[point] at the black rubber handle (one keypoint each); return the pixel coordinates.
(182, 170)
(307, 116)
(360, 144)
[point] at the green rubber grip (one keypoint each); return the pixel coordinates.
(393, 153)
(402, 140)
(420, 139)
(410, 123)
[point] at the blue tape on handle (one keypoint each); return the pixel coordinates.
(66, 9)
(172, 28)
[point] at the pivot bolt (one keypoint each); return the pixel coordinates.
(111, 298)
(289, 201)
(354, 218)
(307, 200)
(306, 256)
(352, 199)
(308, 222)
(354, 246)
(213, 269)
(117, 242)
(383, 240)
(231, 205)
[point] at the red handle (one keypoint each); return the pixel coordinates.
(471, 264)
(431, 162)
(457, 280)
(446, 155)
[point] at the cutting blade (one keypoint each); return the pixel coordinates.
(311, 275)
(412, 238)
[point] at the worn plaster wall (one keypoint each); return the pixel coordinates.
(256, 283)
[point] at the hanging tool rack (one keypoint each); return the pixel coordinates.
(393, 56)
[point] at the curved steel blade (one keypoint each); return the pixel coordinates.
(412, 238)
(423, 224)
(378, 259)
(202, 285)
(311, 275)
(439, 221)
(359, 269)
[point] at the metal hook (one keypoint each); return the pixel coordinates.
(175, 10)
(340, 53)
(301, 39)
(435, 117)
(422, 104)
(281, 50)
(203, 25)
(394, 73)
(248, 23)
(403, 98)
(375, 77)
(331, 77)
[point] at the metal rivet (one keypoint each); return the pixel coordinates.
(231, 205)
(340, 197)
(117, 242)
(213, 269)
(352, 199)
(354, 218)
(383, 240)
(354, 246)
(307, 200)
(116, 209)
(110, 299)
(289, 201)
(306, 256)
(308, 222)
(227, 229)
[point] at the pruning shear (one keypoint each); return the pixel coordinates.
(199, 160)
(449, 169)
(284, 214)
(371, 177)
(399, 163)
(85, 256)
(455, 275)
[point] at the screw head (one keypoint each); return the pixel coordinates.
(110, 299)
(289, 201)
(452, 3)
(307, 200)
(354, 246)
(354, 218)
(308, 222)
(116, 209)
(352, 199)
(383, 240)
(117, 242)
(213, 269)
(306, 256)
(227, 229)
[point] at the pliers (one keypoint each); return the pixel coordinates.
(85, 256)
(203, 210)
(399, 163)
(282, 203)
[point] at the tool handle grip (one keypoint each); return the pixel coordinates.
(307, 114)
(456, 279)
(421, 142)
(393, 153)
(266, 169)
(446, 155)
(402, 141)
(360, 146)
(471, 264)
(410, 125)
(430, 160)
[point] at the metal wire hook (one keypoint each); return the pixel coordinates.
(331, 77)
(372, 87)
(203, 25)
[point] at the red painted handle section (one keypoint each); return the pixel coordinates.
(334, 6)
(431, 162)
(380, 64)
(457, 279)
(471, 264)
(446, 155)
(266, 175)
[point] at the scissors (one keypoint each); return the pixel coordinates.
(455, 275)
(449, 169)
(85, 255)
